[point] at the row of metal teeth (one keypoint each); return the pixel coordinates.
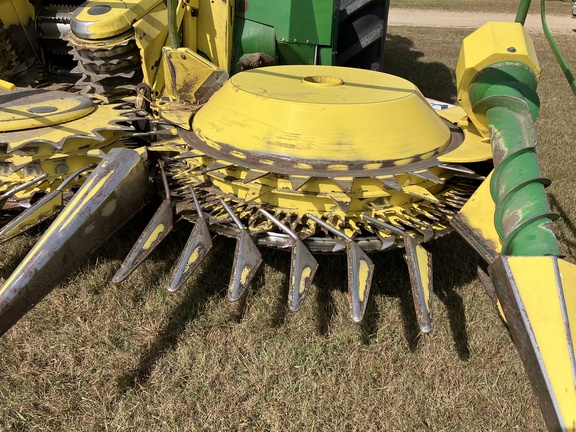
(303, 267)
(14, 57)
(108, 67)
(426, 213)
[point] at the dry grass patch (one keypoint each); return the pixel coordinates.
(94, 356)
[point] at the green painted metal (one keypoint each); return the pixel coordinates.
(559, 57)
(173, 37)
(295, 21)
(506, 94)
(303, 30)
(522, 12)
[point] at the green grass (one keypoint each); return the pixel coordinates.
(94, 356)
(470, 6)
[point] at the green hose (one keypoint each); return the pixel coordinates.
(173, 37)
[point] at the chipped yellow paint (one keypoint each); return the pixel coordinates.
(372, 166)
(363, 274)
(428, 155)
(84, 194)
(238, 154)
(536, 281)
(153, 236)
(266, 161)
(109, 208)
(306, 272)
(244, 275)
(478, 215)
(116, 21)
(304, 122)
(47, 209)
(423, 269)
(194, 256)
(337, 167)
(87, 191)
(302, 165)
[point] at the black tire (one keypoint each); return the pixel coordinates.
(362, 33)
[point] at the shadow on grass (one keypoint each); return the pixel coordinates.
(565, 228)
(435, 80)
(450, 253)
(209, 282)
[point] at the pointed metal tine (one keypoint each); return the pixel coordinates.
(360, 272)
(390, 182)
(4, 197)
(303, 266)
(393, 229)
(197, 247)
(215, 166)
(43, 209)
(157, 229)
(254, 175)
(164, 181)
(113, 193)
(298, 181)
(247, 259)
(344, 183)
(232, 214)
(456, 168)
(427, 175)
(419, 262)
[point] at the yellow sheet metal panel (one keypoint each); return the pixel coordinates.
(15, 12)
(101, 19)
(323, 112)
(542, 295)
(34, 109)
(215, 22)
(492, 43)
(475, 147)
(151, 33)
(475, 223)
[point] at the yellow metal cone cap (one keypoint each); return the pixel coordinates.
(320, 118)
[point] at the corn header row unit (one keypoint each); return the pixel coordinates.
(274, 124)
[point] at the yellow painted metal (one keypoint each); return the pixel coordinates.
(151, 33)
(475, 147)
(48, 209)
(16, 12)
(494, 42)
(215, 23)
(277, 111)
(45, 113)
(5, 85)
(540, 295)
(100, 124)
(60, 149)
(477, 216)
(119, 19)
(318, 196)
(190, 25)
(186, 72)
(424, 271)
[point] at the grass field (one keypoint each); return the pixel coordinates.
(94, 356)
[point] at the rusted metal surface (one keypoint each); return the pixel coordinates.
(116, 190)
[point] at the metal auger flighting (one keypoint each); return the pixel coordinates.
(535, 289)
